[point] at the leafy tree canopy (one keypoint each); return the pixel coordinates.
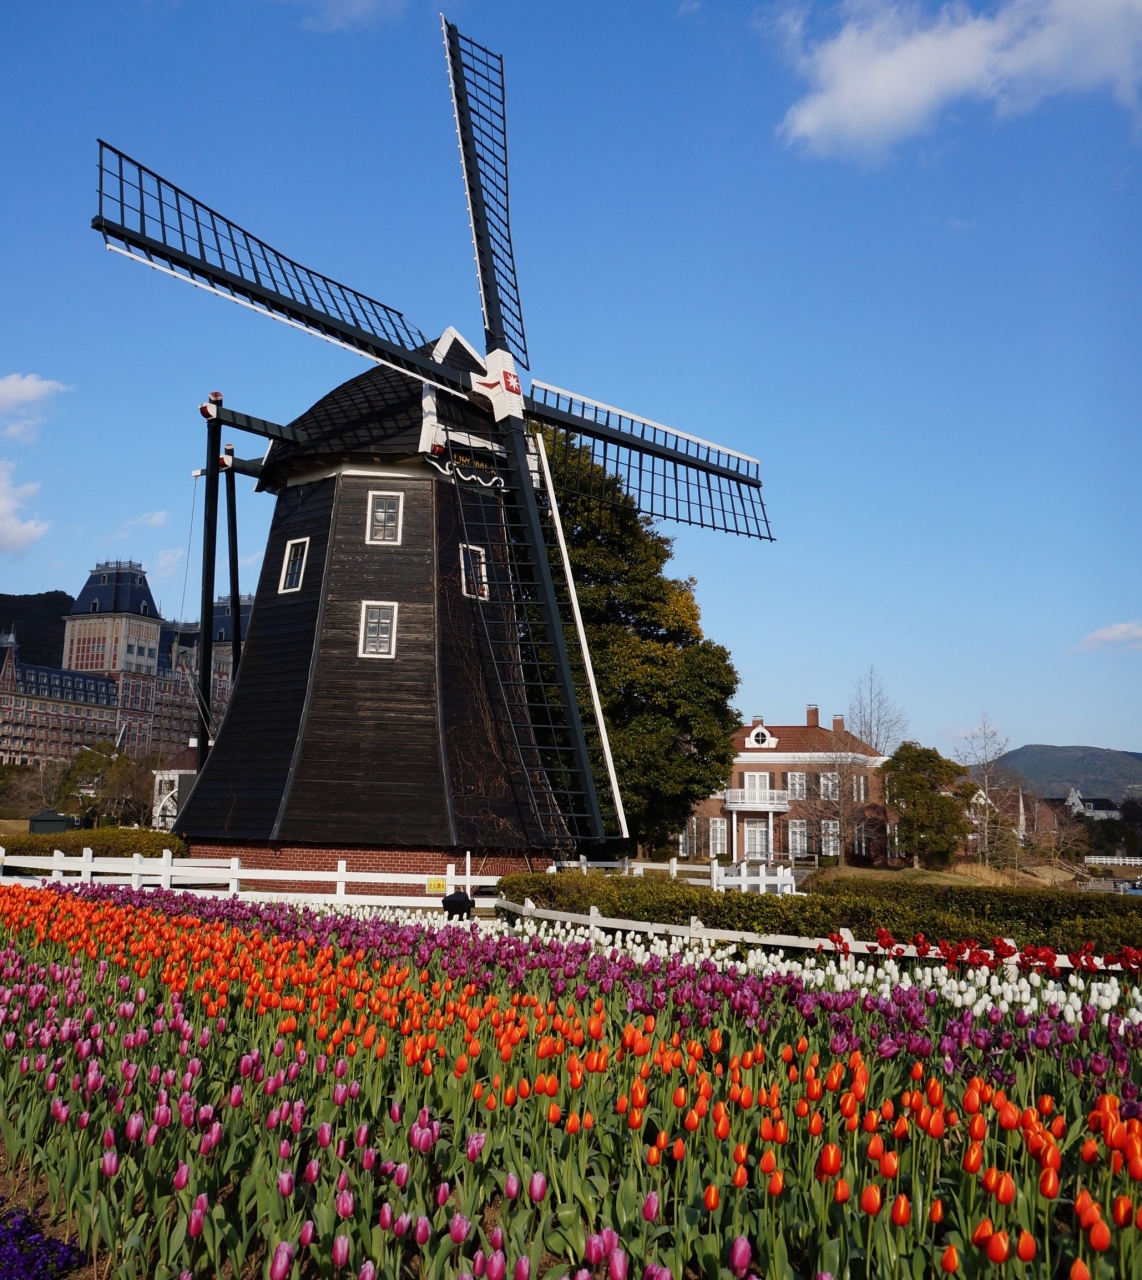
(928, 794)
(664, 687)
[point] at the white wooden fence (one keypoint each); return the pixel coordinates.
(1111, 860)
(747, 877)
(211, 877)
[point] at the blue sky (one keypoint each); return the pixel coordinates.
(892, 249)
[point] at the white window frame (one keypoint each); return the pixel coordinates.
(481, 592)
(754, 789)
(283, 590)
(798, 836)
(798, 786)
(860, 788)
(831, 838)
(366, 605)
(829, 785)
(756, 838)
(717, 837)
(384, 542)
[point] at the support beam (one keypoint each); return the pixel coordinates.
(209, 555)
(232, 542)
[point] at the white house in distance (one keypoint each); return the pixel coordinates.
(797, 791)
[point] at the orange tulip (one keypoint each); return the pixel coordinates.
(982, 1234)
(711, 1198)
(1089, 1152)
(1025, 1248)
(1048, 1184)
(678, 1151)
(936, 1212)
(889, 1164)
(1122, 1211)
(1079, 1270)
(973, 1158)
(842, 1191)
(870, 1200)
(691, 1121)
(776, 1183)
(950, 1262)
(998, 1247)
(768, 1162)
(680, 1097)
(901, 1211)
(829, 1161)
(1099, 1237)
(1005, 1192)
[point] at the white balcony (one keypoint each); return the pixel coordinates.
(757, 801)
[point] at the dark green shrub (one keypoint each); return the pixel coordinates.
(1061, 919)
(104, 842)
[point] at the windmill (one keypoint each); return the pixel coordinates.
(415, 672)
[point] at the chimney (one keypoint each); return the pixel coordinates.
(812, 717)
(757, 720)
(838, 724)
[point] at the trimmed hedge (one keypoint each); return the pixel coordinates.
(104, 842)
(1061, 919)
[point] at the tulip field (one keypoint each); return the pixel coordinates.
(203, 1087)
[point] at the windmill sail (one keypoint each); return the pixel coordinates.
(477, 79)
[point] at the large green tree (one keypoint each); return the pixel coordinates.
(665, 688)
(928, 794)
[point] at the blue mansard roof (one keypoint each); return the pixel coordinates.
(117, 586)
(56, 682)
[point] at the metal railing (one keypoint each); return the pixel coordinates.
(737, 798)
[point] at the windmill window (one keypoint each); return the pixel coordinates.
(473, 571)
(378, 633)
(293, 565)
(386, 512)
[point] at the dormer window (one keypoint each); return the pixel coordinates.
(760, 737)
(143, 608)
(95, 606)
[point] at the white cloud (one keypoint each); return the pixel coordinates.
(148, 520)
(894, 66)
(166, 562)
(246, 561)
(341, 15)
(16, 534)
(18, 392)
(1118, 636)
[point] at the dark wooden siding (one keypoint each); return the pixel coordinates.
(239, 792)
(371, 769)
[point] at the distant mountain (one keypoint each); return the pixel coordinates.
(1095, 771)
(38, 623)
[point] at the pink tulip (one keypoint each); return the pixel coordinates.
(394, 1113)
(401, 1176)
(340, 1251)
(497, 1265)
(386, 1217)
(110, 1163)
(523, 1269)
(182, 1177)
(458, 1228)
(442, 1194)
(594, 1250)
(536, 1188)
(475, 1146)
(423, 1231)
(650, 1207)
(479, 1262)
(740, 1255)
(109, 1139)
(362, 1135)
(283, 1261)
(194, 1226)
(285, 1183)
(402, 1224)
(368, 1272)
(511, 1186)
(312, 1172)
(324, 1134)
(340, 1068)
(236, 1097)
(611, 1239)
(342, 1180)
(368, 1158)
(496, 1239)
(344, 1203)
(340, 1093)
(152, 1135)
(617, 1264)
(308, 1231)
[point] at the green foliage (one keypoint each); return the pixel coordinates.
(104, 842)
(928, 794)
(1058, 918)
(665, 689)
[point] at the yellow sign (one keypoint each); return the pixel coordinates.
(437, 884)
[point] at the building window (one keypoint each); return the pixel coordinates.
(378, 635)
(293, 565)
(797, 786)
(860, 842)
(756, 787)
(798, 837)
(143, 608)
(473, 572)
(756, 838)
(830, 786)
(860, 787)
(95, 606)
(717, 837)
(831, 838)
(385, 512)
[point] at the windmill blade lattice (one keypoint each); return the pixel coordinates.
(602, 453)
(477, 78)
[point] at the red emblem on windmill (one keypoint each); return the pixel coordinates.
(511, 383)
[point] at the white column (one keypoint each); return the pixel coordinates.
(734, 842)
(769, 859)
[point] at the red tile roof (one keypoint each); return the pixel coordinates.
(802, 738)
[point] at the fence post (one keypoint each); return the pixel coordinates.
(57, 858)
(695, 927)
(235, 880)
(341, 868)
(468, 872)
(165, 874)
(449, 878)
(85, 870)
(583, 863)
(594, 914)
(713, 873)
(528, 907)
(674, 868)
(626, 865)
(136, 871)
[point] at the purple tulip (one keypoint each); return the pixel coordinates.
(308, 1231)
(650, 1207)
(537, 1188)
(386, 1218)
(110, 1163)
(343, 1203)
(283, 1261)
(340, 1251)
(497, 1265)
(475, 1146)
(285, 1183)
(423, 1231)
(324, 1134)
(523, 1269)
(458, 1228)
(402, 1224)
(511, 1186)
(740, 1255)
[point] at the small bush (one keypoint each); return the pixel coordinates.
(1060, 919)
(104, 842)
